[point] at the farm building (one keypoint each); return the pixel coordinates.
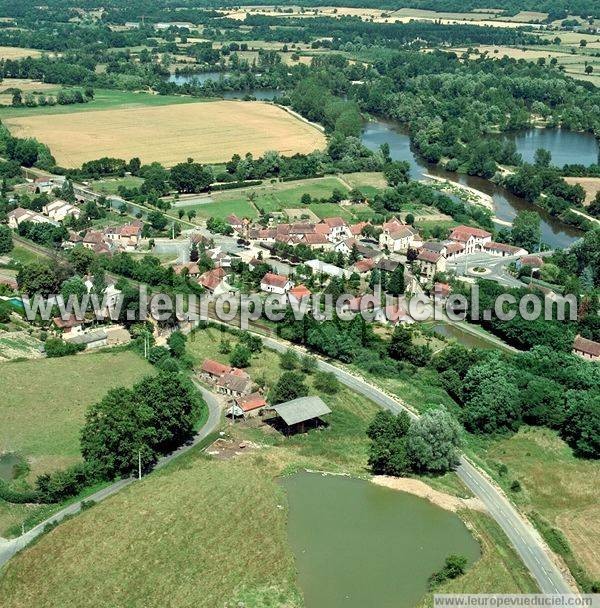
(301, 413)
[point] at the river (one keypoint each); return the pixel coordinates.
(357, 544)
(506, 204)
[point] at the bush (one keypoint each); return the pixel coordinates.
(61, 485)
(454, 566)
(327, 382)
(55, 347)
(17, 497)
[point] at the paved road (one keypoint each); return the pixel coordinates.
(521, 533)
(9, 548)
(496, 268)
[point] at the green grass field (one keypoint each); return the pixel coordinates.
(563, 489)
(111, 186)
(211, 531)
(23, 255)
(44, 402)
(104, 99)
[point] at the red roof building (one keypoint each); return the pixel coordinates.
(588, 349)
(214, 368)
(211, 279)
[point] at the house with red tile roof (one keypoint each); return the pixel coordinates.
(213, 369)
(275, 283)
(429, 263)
(298, 293)
(503, 250)
(212, 280)
(398, 237)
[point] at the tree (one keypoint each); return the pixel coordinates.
(253, 343)
(387, 452)
(6, 240)
(240, 356)
(581, 429)
(526, 231)
(396, 284)
(157, 220)
(542, 158)
(454, 566)
(191, 177)
(432, 442)
(73, 286)
(543, 403)
(308, 364)
(289, 359)
(289, 386)
(176, 342)
(396, 172)
(38, 277)
(491, 398)
(326, 382)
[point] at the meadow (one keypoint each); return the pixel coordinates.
(11, 52)
(208, 132)
(211, 531)
(58, 391)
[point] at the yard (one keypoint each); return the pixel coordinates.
(208, 132)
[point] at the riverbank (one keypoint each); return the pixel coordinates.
(466, 193)
(421, 489)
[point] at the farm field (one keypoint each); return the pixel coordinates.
(111, 186)
(104, 99)
(45, 401)
(591, 185)
(281, 196)
(560, 487)
(11, 52)
(208, 132)
(202, 512)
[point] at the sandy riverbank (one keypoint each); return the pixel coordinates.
(420, 488)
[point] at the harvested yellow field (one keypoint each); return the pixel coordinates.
(591, 185)
(207, 132)
(11, 52)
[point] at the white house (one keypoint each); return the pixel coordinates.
(398, 237)
(472, 239)
(58, 210)
(275, 283)
(20, 215)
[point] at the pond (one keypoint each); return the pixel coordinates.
(506, 205)
(357, 544)
(566, 147)
(463, 337)
(11, 465)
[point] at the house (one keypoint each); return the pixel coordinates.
(337, 228)
(91, 339)
(436, 246)
(318, 240)
(72, 325)
(387, 265)
(44, 185)
(239, 225)
(429, 263)
(324, 268)
(275, 283)
(235, 383)
(453, 250)
(213, 370)
(58, 210)
(191, 268)
(19, 215)
(298, 293)
(212, 280)
(502, 249)
(472, 239)
(366, 303)
(364, 266)
(441, 291)
(398, 237)
(588, 349)
(302, 412)
(92, 239)
(251, 405)
(394, 314)
(356, 229)
(127, 236)
(74, 239)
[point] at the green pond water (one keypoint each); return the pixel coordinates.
(358, 545)
(10, 465)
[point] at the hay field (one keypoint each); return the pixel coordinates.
(591, 185)
(11, 52)
(208, 132)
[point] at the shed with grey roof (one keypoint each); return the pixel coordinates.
(299, 411)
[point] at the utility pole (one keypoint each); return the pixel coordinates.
(139, 464)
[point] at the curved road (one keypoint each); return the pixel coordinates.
(10, 547)
(524, 537)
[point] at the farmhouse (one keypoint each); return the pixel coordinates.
(249, 406)
(300, 413)
(190, 267)
(298, 293)
(212, 280)
(213, 370)
(588, 349)
(235, 383)
(275, 283)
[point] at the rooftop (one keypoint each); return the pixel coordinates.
(302, 409)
